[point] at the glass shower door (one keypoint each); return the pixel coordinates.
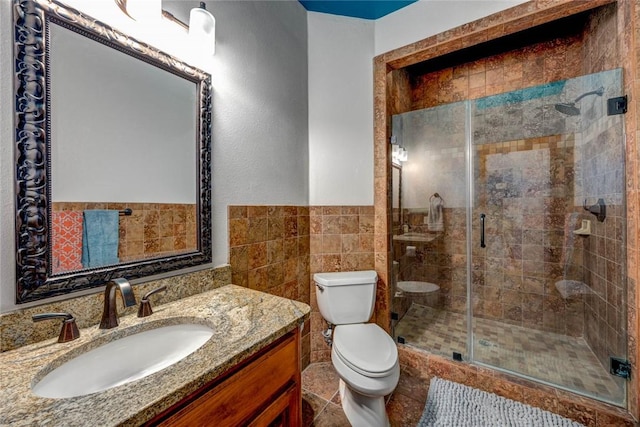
(430, 259)
(547, 273)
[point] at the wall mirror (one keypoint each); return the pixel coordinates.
(113, 155)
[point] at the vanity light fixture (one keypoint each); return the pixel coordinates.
(398, 153)
(403, 156)
(202, 28)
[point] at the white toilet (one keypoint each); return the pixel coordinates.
(363, 354)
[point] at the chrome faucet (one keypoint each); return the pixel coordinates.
(110, 314)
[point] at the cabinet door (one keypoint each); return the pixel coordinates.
(283, 412)
(265, 390)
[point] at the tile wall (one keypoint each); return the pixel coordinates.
(530, 246)
(342, 239)
(533, 65)
(516, 285)
(526, 237)
(627, 35)
(442, 261)
(604, 316)
(277, 249)
(605, 266)
(269, 252)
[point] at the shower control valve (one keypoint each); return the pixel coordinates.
(599, 209)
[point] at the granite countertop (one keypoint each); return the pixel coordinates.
(244, 321)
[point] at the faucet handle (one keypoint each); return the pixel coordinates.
(145, 305)
(69, 331)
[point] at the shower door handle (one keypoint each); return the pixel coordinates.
(482, 244)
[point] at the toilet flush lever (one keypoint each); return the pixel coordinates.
(320, 287)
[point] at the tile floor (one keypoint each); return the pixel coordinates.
(554, 358)
(321, 400)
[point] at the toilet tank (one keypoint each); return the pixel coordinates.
(346, 297)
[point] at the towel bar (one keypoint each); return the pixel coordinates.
(125, 212)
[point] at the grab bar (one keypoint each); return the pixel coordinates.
(482, 244)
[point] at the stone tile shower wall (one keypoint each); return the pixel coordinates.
(603, 178)
(442, 261)
(528, 248)
(526, 187)
(605, 265)
(509, 284)
(533, 65)
(605, 316)
(514, 278)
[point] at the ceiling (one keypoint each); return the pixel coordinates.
(365, 9)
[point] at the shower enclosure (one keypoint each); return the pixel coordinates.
(527, 275)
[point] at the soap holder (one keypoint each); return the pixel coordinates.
(585, 229)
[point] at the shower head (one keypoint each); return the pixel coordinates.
(570, 109)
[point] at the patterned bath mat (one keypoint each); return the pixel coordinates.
(451, 404)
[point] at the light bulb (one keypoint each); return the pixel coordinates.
(202, 29)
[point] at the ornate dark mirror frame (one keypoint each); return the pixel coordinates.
(33, 143)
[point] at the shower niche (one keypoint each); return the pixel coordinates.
(522, 290)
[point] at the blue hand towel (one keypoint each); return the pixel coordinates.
(100, 230)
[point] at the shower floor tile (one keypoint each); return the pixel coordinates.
(557, 359)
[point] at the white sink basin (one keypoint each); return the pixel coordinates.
(123, 360)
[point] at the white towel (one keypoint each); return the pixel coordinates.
(435, 220)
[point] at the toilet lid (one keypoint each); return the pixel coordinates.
(366, 348)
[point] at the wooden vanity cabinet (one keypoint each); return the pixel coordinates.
(264, 390)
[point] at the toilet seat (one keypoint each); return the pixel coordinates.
(366, 348)
(417, 287)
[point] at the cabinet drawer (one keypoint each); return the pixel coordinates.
(243, 395)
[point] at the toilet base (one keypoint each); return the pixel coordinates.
(361, 410)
